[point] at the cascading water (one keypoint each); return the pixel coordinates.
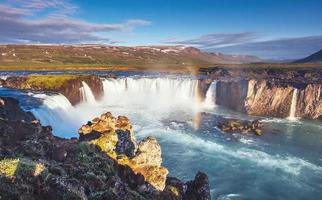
(210, 101)
(87, 94)
(150, 92)
(54, 111)
(292, 115)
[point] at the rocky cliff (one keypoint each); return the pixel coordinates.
(265, 98)
(105, 163)
(309, 102)
(66, 84)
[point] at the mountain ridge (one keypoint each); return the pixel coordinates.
(313, 58)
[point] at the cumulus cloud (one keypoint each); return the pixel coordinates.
(216, 40)
(58, 26)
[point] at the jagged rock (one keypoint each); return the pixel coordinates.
(116, 138)
(10, 110)
(124, 143)
(154, 175)
(199, 188)
(234, 125)
(148, 153)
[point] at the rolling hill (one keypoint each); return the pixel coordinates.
(29, 56)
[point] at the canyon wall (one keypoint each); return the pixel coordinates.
(309, 102)
(232, 94)
(263, 98)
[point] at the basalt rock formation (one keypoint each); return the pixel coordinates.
(35, 164)
(66, 84)
(269, 98)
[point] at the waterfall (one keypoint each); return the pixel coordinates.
(293, 105)
(210, 101)
(150, 92)
(86, 94)
(53, 112)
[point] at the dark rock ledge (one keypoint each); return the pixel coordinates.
(105, 163)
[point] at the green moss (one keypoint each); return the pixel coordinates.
(51, 82)
(107, 143)
(23, 167)
(174, 190)
(83, 152)
(8, 167)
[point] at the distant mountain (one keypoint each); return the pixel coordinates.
(314, 58)
(103, 55)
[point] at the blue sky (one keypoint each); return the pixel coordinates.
(276, 29)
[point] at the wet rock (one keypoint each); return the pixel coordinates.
(234, 125)
(199, 188)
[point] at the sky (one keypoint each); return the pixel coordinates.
(271, 29)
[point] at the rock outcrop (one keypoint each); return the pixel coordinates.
(66, 84)
(309, 102)
(35, 164)
(115, 137)
(234, 125)
(265, 98)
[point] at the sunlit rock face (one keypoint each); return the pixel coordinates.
(264, 98)
(268, 100)
(309, 102)
(115, 137)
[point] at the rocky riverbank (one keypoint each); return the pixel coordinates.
(105, 163)
(66, 84)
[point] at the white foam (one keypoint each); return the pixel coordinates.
(87, 94)
(287, 163)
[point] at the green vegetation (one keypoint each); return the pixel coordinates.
(51, 82)
(107, 143)
(14, 167)
(32, 57)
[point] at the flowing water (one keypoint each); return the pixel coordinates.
(284, 163)
(293, 105)
(87, 94)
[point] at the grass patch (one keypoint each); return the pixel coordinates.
(11, 168)
(51, 82)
